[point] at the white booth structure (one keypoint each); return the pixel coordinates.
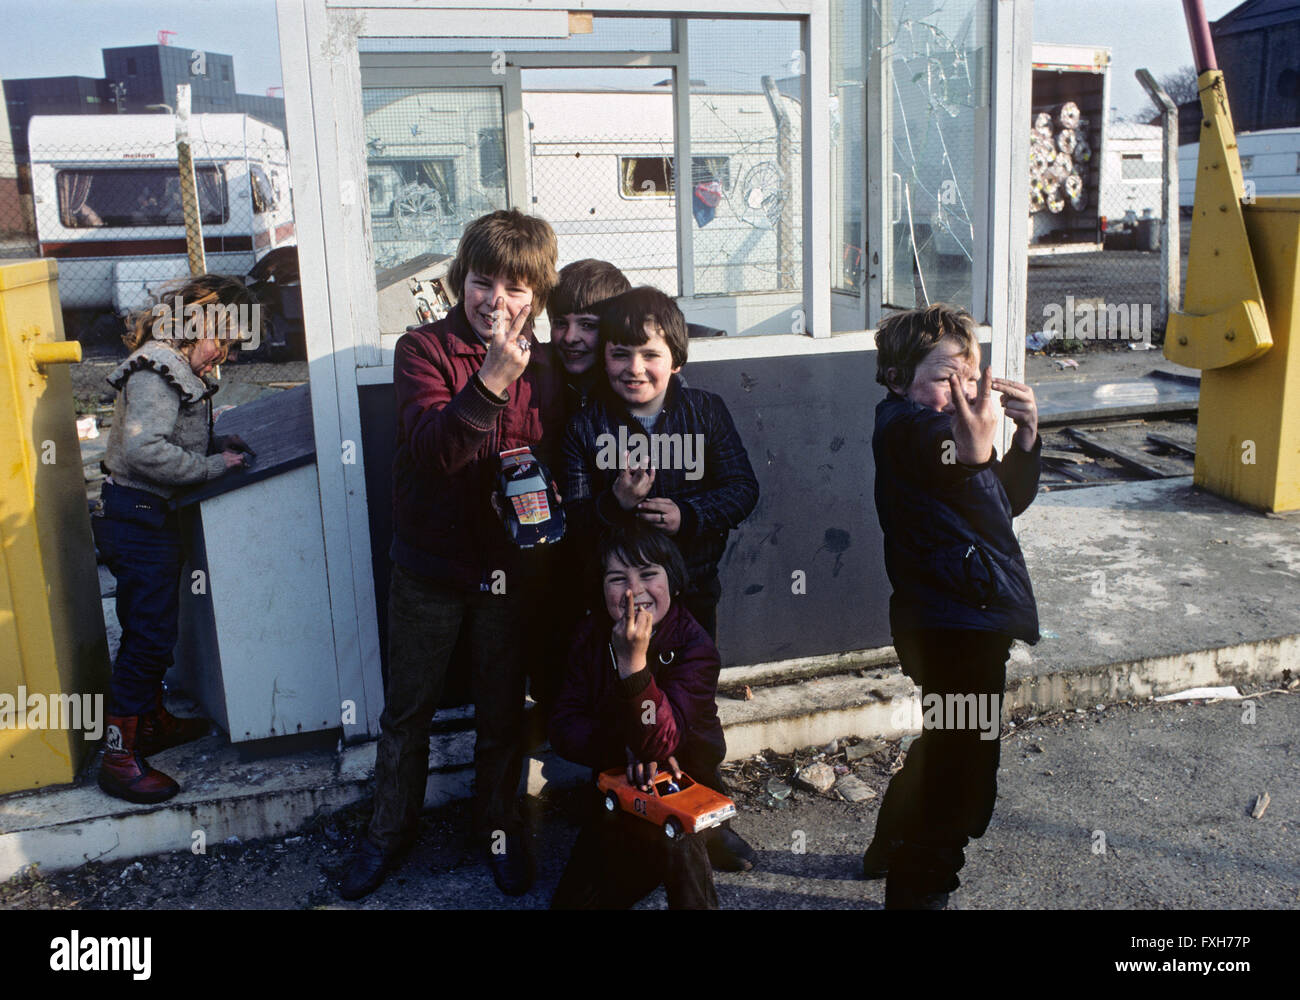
(847, 158)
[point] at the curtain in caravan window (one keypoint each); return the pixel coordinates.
(438, 176)
(74, 189)
(212, 195)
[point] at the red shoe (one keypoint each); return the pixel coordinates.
(160, 730)
(124, 773)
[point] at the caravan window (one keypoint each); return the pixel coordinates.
(645, 176)
(263, 189)
(652, 176)
(134, 197)
(1136, 167)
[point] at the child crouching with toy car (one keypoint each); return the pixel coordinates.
(640, 692)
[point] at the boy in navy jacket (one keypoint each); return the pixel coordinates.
(961, 591)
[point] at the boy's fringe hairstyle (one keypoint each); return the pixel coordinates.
(509, 243)
(904, 339)
(201, 290)
(637, 544)
(623, 321)
(584, 283)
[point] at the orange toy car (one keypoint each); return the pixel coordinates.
(680, 806)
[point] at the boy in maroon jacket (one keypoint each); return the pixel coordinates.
(468, 387)
(641, 690)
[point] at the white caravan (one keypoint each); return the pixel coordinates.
(1270, 163)
(599, 167)
(107, 196)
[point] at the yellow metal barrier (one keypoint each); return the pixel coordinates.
(1239, 323)
(54, 668)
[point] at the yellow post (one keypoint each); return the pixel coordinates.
(1248, 430)
(54, 667)
(1238, 323)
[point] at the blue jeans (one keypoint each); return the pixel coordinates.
(139, 540)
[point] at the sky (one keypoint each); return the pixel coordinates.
(64, 37)
(1150, 34)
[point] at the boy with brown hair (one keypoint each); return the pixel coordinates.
(575, 324)
(468, 387)
(961, 589)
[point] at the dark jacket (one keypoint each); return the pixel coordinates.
(599, 714)
(450, 429)
(950, 551)
(711, 505)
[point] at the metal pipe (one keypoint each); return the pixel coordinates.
(1199, 29)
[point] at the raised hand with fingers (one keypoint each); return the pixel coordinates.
(631, 637)
(633, 483)
(974, 424)
(1021, 406)
(508, 350)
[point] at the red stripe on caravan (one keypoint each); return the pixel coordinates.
(283, 231)
(146, 248)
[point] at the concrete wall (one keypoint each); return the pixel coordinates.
(806, 423)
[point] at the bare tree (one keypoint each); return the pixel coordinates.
(1181, 85)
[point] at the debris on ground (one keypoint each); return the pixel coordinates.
(853, 789)
(816, 777)
(1261, 803)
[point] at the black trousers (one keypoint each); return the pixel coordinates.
(619, 859)
(425, 620)
(945, 792)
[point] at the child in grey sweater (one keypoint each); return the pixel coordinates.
(161, 441)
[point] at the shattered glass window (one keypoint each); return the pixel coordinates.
(935, 68)
(435, 159)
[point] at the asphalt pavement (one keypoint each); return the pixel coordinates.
(1144, 806)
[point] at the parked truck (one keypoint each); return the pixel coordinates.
(1070, 100)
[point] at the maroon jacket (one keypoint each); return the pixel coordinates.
(450, 429)
(599, 714)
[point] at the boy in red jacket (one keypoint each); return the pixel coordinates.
(641, 691)
(468, 387)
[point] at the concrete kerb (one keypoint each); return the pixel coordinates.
(65, 827)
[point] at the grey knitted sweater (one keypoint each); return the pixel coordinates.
(162, 423)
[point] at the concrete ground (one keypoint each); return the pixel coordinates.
(1141, 806)
(1143, 589)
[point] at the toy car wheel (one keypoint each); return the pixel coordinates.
(611, 802)
(672, 829)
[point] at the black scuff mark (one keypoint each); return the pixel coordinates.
(837, 442)
(753, 588)
(836, 541)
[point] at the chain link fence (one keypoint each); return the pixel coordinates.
(107, 202)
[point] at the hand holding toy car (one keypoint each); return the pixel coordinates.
(508, 350)
(643, 775)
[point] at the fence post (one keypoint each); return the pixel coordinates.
(189, 187)
(1170, 238)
